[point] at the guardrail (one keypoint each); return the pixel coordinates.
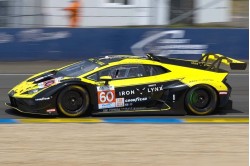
(74, 44)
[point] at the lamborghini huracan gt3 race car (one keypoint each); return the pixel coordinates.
(128, 84)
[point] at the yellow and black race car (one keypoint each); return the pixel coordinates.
(128, 84)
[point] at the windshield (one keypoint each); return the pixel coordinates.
(77, 69)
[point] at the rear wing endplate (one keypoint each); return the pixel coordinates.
(218, 59)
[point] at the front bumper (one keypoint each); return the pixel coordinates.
(30, 106)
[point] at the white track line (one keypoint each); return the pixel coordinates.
(238, 74)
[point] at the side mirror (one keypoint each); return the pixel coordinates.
(106, 79)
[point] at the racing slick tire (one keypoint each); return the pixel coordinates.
(201, 100)
(73, 101)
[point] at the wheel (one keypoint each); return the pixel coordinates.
(201, 100)
(73, 101)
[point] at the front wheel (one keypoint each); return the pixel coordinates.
(201, 100)
(73, 101)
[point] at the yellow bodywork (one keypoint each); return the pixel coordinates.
(188, 76)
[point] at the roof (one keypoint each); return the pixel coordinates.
(113, 58)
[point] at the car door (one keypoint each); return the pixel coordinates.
(132, 87)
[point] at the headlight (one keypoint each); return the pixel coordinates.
(32, 91)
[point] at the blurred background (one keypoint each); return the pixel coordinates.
(122, 27)
(99, 13)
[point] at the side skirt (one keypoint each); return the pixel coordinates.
(155, 111)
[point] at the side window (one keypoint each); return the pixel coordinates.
(155, 70)
(93, 77)
(120, 72)
(136, 71)
(123, 71)
(107, 72)
(129, 71)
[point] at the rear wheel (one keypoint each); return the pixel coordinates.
(73, 101)
(201, 100)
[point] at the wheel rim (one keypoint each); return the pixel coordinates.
(72, 102)
(200, 99)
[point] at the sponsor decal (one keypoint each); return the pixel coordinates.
(111, 110)
(41, 85)
(119, 102)
(49, 82)
(36, 35)
(127, 93)
(51, 110)
(141, 90)
(137, 99)
(106, 105)
(58, 79)
(152, 85)
(149, 89)
(128, 104)
(126, 109)
(223, 93)
(43, 98)
(155, 89)
(105, 88)
(6, 38)
(165, 43)
(106, 97)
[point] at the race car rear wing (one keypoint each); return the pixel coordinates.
(208, 61)
(218, 59)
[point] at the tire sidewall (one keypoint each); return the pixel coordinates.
(85, 97)
(208, 109)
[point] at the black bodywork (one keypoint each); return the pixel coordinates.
(156, 99)
(165, 98)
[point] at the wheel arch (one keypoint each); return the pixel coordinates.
(75, 85)
(204, 85)
(215, 84)
(56, 89)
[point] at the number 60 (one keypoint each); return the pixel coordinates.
(106, 97)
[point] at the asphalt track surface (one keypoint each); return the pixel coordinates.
(12, 73)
